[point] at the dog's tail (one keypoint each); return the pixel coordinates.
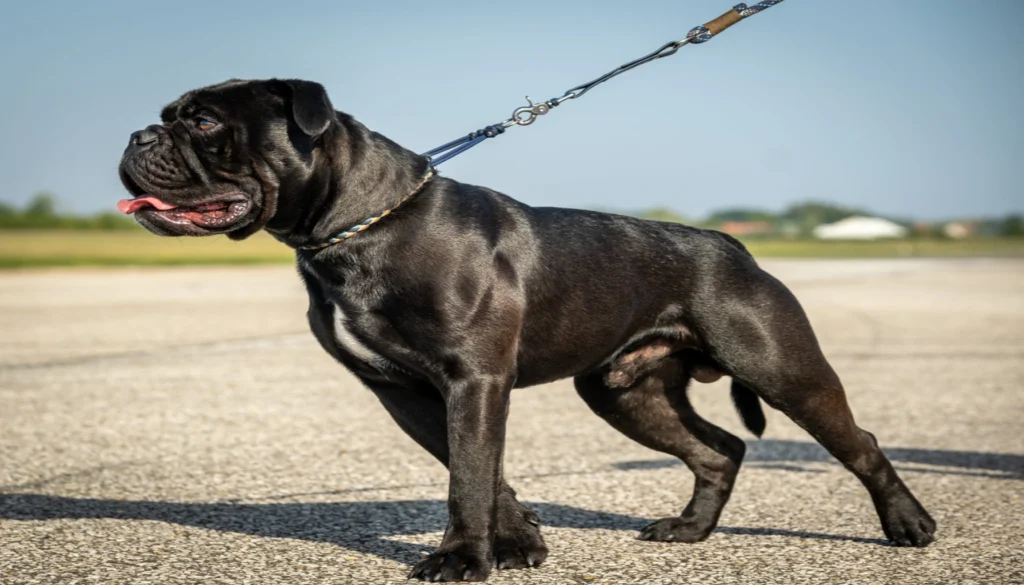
(749, 407)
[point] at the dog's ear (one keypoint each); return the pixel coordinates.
(311, 108)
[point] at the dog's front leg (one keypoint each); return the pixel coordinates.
(476, 410)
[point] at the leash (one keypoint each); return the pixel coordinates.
(526, 115)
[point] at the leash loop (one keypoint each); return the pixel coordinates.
(528, 114)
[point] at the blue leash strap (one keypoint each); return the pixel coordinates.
(525, 115)
(461, 145)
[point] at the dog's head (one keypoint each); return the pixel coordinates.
(223, 155)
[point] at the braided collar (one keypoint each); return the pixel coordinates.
(366, 223)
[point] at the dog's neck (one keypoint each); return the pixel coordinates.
(363, 175)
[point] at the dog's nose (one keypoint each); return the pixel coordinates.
(144, 138)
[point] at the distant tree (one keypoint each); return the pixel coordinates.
(41, 213)
(1013, 225)
(111, 221)
(43, 205)
(663, 214)
(923, 229)
(741, 214)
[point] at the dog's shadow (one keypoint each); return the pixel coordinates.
(377, 528)
(365, 527)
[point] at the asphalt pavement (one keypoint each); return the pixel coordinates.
(181, 426)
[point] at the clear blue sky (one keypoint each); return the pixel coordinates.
(908, 107)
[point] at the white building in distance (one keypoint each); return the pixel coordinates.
(860, 228)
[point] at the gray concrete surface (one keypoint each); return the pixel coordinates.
(181, 426)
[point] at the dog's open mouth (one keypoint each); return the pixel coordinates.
(211, 215)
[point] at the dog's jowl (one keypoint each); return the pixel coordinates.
(442, 297)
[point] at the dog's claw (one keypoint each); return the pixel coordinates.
(510, 555)
(518, 543)
(906, 523)
(676, 529)
(459, 564)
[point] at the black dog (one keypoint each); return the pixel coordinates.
(462, 293)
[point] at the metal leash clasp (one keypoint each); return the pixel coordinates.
(525, 115)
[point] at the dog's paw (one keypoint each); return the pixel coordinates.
(906, 523)
(676, 529)
(461, 563)
(518, 543)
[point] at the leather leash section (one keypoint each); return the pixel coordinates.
(723, 22)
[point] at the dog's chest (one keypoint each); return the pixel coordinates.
(341, 332)
(344, 336)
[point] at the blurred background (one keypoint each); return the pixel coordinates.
(180, 424)
(897, 120)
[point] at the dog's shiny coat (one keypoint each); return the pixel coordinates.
(464, 293)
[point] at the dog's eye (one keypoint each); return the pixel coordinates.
(205, 124)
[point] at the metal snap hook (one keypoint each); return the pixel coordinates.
(525, 115)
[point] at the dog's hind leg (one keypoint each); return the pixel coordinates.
(420, 412)
(656, 413)
(766, 343)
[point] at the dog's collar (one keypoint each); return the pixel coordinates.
(366, 223)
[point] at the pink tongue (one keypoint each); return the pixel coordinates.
(130, 206)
